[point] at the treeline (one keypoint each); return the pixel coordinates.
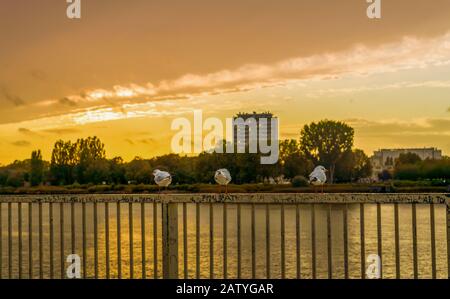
(327, 142)
(410, 166)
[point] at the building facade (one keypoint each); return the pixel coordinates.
(252, 129)
(384, 159)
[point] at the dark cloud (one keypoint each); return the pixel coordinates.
(14, 99)
(147, 141)
(22, 143)
(62, 131)
(38, 75)
(448, 110)
(129, 141)
(27, 132)
(68, 102)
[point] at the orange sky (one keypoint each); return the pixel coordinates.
(127, 68)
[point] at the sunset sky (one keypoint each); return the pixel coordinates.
(128, 68)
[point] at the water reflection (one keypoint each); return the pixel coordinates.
(423, 233)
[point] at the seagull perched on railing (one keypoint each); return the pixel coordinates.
(162, 178)
(318, 177)
(223, 177)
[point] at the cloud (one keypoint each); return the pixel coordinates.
(28, 132)
(399, 85)
(418, 127)
(137, 100)
(38, 75)
(129, 141)
(62, 131)
(67, 101)
(448, 110)
(21, 143)
(148, 141)
(14, 99)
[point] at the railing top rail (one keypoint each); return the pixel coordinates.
(244, 198)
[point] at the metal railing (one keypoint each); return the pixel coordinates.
(170, 250)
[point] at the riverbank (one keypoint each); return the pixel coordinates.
(394, 187)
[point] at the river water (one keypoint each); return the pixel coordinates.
(388, 246)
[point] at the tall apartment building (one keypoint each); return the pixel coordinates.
(244, 134)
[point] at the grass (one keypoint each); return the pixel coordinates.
(393, 187)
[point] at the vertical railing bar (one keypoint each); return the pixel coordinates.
(239, 245)
(83, 224)
(41, 253)
(185, 244)
(107, 254)
(19, 207)
(119, 243)
(253, 242)
(283, 243)
(155, 240)
(9, 241)
(144, 262)
(72, 227)
(211, 241)
(397, 242)
(363, 240)
(433, 242)
(94, 207)
(414, 233)
(169, 215)
(297, 239)
(380, 238)
(130, 232)
(345, 229)
(1, 242)
(30, 241)
(225, 242)
(197, 240)
(50, 218)
(313, 240)
(61, 231)
(329, 244)
(267, 241)
(447, 208)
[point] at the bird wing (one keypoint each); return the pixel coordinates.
(318, 175)
(161, 176)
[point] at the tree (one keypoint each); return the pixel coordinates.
(385, 175)
(139, 171)
(37, 168)
(352, 166)
(87, 152)
(408, 158)
(325, 142)
(62, 163)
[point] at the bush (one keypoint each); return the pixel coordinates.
(300, 181)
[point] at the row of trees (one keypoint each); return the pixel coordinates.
(327, 142)
(411, 167)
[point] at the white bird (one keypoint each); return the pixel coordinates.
(223, 178)
(162, 178)
(318, 177)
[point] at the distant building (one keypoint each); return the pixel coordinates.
(242, 133)
(384, 159)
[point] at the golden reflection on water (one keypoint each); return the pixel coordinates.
(388, 246)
